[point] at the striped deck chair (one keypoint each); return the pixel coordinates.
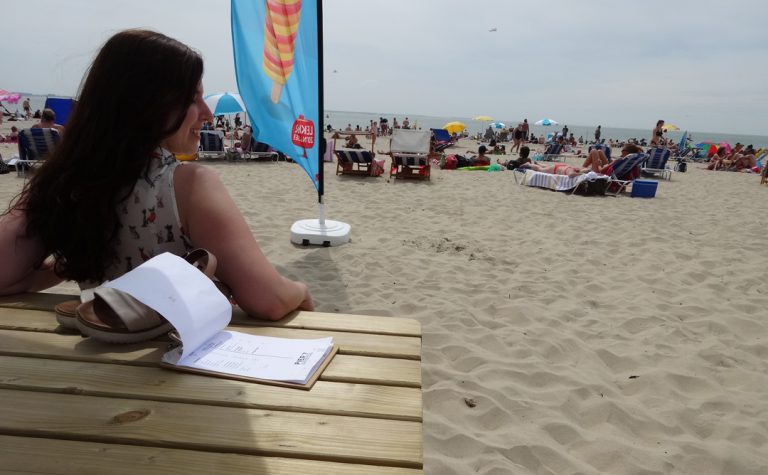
(211, 145)
(357, 162)
(409, 150)
(624, 171)
(656, 163)
(34, 145)
(552, 153)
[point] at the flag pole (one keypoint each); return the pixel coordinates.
(320, 115)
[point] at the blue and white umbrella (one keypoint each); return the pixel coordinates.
(498, 125)
(225, 103)
(546, 122)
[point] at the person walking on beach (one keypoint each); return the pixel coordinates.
(565, 131)
(27, 109)
(598, 132)
(120, 180)
(657, 134)
(525, 129)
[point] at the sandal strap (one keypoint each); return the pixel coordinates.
(119, 310)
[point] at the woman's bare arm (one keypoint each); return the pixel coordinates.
(212, 221)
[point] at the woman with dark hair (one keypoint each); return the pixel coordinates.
(112, 194)
(657, 134)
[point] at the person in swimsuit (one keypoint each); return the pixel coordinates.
(657, 134)
(112, 193)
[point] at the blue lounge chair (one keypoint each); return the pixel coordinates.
(601, 146)
(442, 139)
(211, 145)
(552, 153)
(624, 171)
(656, 163)
(34, 145)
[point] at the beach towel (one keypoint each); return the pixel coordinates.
(560, 182)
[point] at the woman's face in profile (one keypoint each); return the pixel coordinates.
(186, 139)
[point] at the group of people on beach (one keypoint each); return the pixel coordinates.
(739, 159)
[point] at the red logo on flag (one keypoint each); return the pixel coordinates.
(303, 133)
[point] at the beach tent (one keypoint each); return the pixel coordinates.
(62, 106)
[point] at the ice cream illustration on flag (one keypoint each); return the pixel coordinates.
(281, 27)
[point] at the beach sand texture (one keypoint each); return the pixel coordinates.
(562, 334)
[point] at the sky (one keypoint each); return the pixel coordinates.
(701, 65)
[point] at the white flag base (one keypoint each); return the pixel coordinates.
(312, 231)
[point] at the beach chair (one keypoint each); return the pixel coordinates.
(442, 139)
(601, 146)
(259, 151)
(357, 162)
(552, 153)
(588, 184)
(624, 171)
(656, 164)
(409, 150)
(211, 145)
(34, 145)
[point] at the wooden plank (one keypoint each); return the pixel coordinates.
(34, 455)
(76, 377)
(34, 301)
(211, 428)
(366, 344)
(343, 368)
(307, 320)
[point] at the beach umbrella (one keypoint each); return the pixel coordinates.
(9, 97)
(671, 127)
(454, 127)
(546, 122)
(498, 125)
(225, 103)
(483, 118)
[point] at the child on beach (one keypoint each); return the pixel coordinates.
(112, 193)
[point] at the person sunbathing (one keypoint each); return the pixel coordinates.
(596, 160)
(557, 169)
(352, 142)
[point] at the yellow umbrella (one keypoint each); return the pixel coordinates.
(483, 118)
(454, 127)
(671, 127)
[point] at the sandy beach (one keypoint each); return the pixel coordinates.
(562, 334)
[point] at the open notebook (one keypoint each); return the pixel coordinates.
(200, 314)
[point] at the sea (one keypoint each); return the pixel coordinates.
(340, 119)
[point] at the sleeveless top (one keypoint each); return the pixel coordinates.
(150, 223)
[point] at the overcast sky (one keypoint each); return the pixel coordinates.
(699, 64)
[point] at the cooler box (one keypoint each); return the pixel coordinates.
(644, 188)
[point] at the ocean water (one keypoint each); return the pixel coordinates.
(340, 119)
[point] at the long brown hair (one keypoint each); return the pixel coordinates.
(135, 94)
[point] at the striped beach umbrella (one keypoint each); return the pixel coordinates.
(225, 103)
(546, 122)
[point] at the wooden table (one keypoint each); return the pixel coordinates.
(72, 405)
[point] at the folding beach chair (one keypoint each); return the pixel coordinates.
(656, 163)
(601, 146)
(552, 153)
(211, 145)
(442, 139)
(409, 150)
(624, 171)
(259, 151)
(357, 162)
(34, 145)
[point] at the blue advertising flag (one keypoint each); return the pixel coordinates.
(275, 44)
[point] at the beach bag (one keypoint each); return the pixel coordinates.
(451, 162)
(4, 168)
(682, 167)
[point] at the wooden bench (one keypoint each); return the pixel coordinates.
(72, 405)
